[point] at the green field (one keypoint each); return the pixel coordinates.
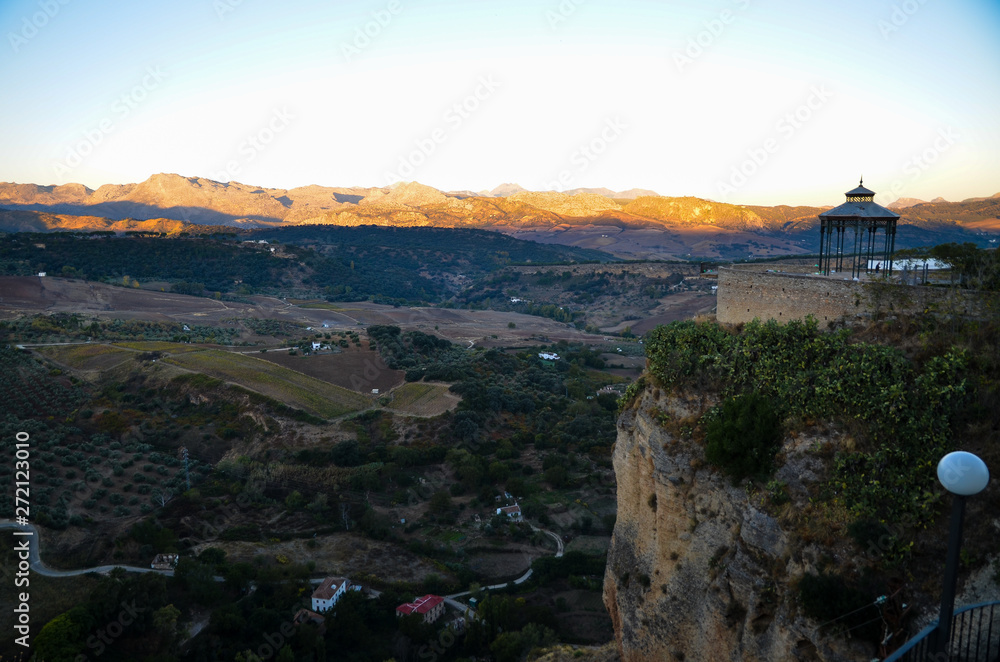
(283, 384)
(320, 306)
(87, 357)
(160, 346)
(422, 399)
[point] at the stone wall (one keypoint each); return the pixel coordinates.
(753, 291)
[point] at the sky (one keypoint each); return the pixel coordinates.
(743, 101)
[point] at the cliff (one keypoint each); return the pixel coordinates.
(698, 569)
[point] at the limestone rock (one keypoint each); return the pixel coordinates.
(696, 569)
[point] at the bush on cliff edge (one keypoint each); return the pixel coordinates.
(743, 436)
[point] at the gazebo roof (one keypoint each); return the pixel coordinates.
(859, 209)
(860, 190)
(860, 205)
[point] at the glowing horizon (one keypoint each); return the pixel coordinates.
(735, 101)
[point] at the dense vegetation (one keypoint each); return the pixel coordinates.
(515, 396)
(392, 265)
(63, 327)
(215, 263)
(896, 396)
(106, 454)
(742, 435)
(568, 296)
(904, 413)
(474, 250)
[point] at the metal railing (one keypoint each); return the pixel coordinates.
(975, 637)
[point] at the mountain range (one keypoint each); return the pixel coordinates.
(634, 223)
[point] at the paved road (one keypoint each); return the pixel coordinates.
(34, 558)
(451, 600)
(36, 562)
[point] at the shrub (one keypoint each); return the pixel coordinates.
(743, 436)
(826, 597)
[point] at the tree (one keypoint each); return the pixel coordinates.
(165, 623)
(744, 435)
(556, 476)
(295, 500)
(498, 472)
(198, 579)
(62, 638)
(440, 502)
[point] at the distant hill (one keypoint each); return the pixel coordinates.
(903, 203)
(384, 264)
(636, 223)
(504, 190)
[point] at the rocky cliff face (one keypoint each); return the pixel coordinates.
(697, 569)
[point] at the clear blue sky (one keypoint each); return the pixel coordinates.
(748, 101)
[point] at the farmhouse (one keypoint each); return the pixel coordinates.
(316, 345)
(546, 356)
(512, 512)
(329, 592)
(431, 606)
(164, 562)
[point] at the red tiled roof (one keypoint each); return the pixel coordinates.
(420, 605)
(329, 586)
(305, 615)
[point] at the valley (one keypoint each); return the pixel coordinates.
(424, 410)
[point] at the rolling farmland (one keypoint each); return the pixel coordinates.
(283, 384)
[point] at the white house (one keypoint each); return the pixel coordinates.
(326, 594)
(548, 357)
(513, 512)
(164, 562)
(316, 345)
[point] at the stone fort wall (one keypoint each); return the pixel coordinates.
(754, 291)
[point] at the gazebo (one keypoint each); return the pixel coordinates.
(866, 217)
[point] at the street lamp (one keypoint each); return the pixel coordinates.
(964, 475)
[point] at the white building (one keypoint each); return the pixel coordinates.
(512, 512)
(326, 594)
